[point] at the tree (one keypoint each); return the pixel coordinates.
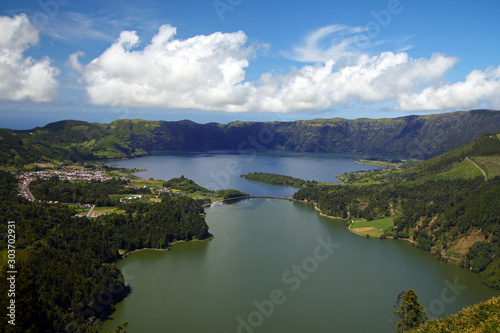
(120, 328)
(409, 312)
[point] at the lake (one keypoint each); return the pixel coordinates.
(276, 265)
(222, 169)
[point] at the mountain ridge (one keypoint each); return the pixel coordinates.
(411, 136)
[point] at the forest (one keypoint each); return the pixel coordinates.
(421, 137)
(66, 269)
(188, 186)
(276, 179)
(93, 192)
(434, 214)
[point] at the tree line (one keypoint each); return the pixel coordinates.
(432, 213)
(93, 192)
(276, 179)
(67, 280)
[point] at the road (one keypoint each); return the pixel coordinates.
(484, 173)
(90, 210)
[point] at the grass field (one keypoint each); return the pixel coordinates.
(374, 228)
(464, 169)
(384, 164)
(108, 210)
(490, 164)
(78, 208)
(147, 182)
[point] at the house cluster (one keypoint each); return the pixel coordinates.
(27, 177)
(131, 197)
(152, 188)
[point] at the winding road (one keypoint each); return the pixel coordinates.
(484, 173)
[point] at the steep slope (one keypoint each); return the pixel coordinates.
(482, 317)
(486, 145)
(455, 217)
(420, 137)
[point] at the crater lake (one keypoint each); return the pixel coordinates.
(277, 265)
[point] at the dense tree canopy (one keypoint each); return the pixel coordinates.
(432, 213)
(66, 278)
(276, 179)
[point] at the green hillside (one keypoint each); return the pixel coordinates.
(482, 317)
(457, 163)
(444, 205)
(421, 137)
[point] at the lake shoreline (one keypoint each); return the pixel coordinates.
(348, 227)
(169, 248)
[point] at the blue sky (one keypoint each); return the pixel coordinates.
(226, 60)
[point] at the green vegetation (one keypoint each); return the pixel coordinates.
(274, 179)
(94, 192)
(437, 204)
(482, 317)
(420, 137)
(409, 312)
(463, 169)
(374, 228)
(66, 264)
(444, 217)
(228, 194)
(452, 165)
(185, 185)
(190, 187)
(386, 163)
(108, 210)
(490, 164)
(121, 328)
(66, 272)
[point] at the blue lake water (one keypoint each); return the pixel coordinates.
(222, 169)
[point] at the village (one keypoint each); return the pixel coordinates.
(27, 177)
(79, 174)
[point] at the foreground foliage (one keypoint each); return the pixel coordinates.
(482, 317)
(409, 312)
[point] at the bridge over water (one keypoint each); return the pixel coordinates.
(256, 197)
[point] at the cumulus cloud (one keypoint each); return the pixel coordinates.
(479, 88)
(208, 73)
(202, 72)
(373, 79)
(23, 78)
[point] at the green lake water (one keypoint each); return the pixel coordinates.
(277, 266)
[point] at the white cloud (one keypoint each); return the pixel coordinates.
(208, 73)
(74, 62)
(202, 72)
(23, 78)
(373, 79)
(70, 26)
(77, 27)
(332, 42)
(479, 88)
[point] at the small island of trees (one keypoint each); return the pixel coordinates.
(275, 179)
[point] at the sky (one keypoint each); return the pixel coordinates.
(249, 60)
